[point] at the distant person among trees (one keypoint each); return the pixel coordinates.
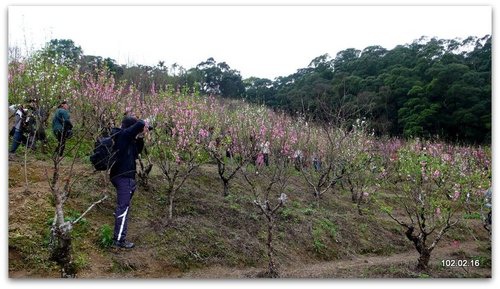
(122, 175)
(17, 130)
(265, 151)
(62, 127)
(316, 162)
(487, 204)
(298, 157)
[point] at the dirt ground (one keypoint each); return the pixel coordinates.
(142, 262)
(360, 267)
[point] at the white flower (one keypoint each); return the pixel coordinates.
(283, 198)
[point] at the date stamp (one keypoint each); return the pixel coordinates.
(460, 263)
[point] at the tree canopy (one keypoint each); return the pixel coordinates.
(428, 88)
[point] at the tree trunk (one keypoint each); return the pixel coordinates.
(354, 197)
(143, 174)
(226, 187)
(61, 233)
(61, 252)
(358, 204)
(272, 271)
(423, 260)
(170, 204)
(317, 197)
(221, 167)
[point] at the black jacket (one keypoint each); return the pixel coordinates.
(126, 151)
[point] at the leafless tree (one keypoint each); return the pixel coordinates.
(61, 241)
(266, 182)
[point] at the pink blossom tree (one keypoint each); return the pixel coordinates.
(361, 163)
(268, 181)
(323, 147)
(177, 142)
(232, 142)
(430, 185)
(50, 82)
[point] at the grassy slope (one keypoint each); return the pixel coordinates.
(210, 230)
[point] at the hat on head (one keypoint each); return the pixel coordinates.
(62, 102)
(128, 121)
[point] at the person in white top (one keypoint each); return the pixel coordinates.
(17, 131)
(265, 151)
(298, 157)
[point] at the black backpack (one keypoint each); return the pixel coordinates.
(104, 155)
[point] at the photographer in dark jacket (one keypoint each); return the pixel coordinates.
(122, 175)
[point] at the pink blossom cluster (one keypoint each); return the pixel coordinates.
(186, 126)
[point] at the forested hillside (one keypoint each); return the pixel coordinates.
(433, 88)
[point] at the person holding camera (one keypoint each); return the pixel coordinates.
(62, 127)
(122, 174)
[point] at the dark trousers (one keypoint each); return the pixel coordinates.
(125, 188)
(317, 165)
(16, 141)
(61, 142)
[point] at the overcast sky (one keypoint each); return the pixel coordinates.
(262, 41)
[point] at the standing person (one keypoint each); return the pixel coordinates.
(17, 130)
(487, 204)
(122, 175)
(316, 162)
(62, 126)
(265, 151)
(298, 157)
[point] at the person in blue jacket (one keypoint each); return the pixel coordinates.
(62, 127)
(122, 175)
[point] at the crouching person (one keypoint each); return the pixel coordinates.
(122, 175)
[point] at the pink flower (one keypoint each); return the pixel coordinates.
(260, 159)
(436, 174)
(456, 195)
(262, 131)
(438, 212)
(203, 133)
(446, 157)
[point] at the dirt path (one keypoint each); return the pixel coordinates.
(355, 268)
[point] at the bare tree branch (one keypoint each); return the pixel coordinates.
(88, 209)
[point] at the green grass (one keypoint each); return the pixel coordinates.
(105, 236)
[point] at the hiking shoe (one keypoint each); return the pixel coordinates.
(123, 244)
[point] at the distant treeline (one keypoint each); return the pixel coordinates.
(429, 88)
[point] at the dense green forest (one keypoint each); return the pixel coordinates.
(431, 88)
